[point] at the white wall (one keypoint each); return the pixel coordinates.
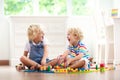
(4, 38)
(116, 28)
(116, 41)
(106, 4)
(4, 34)
(1, 7)
(116, 4)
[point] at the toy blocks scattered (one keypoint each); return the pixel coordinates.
(59, 69)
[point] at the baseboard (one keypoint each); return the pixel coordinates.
(4, 62)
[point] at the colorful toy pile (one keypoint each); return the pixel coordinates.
(59, 69)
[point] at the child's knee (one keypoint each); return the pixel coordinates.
(22, 58)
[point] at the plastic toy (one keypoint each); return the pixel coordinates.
(102, 67)
(96, 67)
(60, 69)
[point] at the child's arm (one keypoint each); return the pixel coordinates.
(62, 57)
(45, 55)
(65, 53)
(78, 57)
(26, 49)
(25, 53)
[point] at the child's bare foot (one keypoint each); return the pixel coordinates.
(20, 67)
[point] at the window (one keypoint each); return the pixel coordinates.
(53, 7)
(47, 7)
(80, 7)
(18, 7)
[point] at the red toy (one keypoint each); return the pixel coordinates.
(102, 65)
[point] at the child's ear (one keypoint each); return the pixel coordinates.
(76, 37)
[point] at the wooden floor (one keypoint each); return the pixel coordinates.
(10, 73)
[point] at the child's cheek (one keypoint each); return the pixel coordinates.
(41, 38)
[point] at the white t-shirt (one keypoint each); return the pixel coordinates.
(27, 46)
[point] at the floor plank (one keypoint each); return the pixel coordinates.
(10, 73)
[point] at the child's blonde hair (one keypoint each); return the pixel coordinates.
(76, 32)
(33, 30)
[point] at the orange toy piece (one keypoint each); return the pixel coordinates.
(57, 67)
(43, 68)
(61, 71)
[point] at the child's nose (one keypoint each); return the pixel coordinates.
(42, 37)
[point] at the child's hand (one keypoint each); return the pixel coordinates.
(60, 59)
(60, 56)
(68, 61)
(43, 62)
